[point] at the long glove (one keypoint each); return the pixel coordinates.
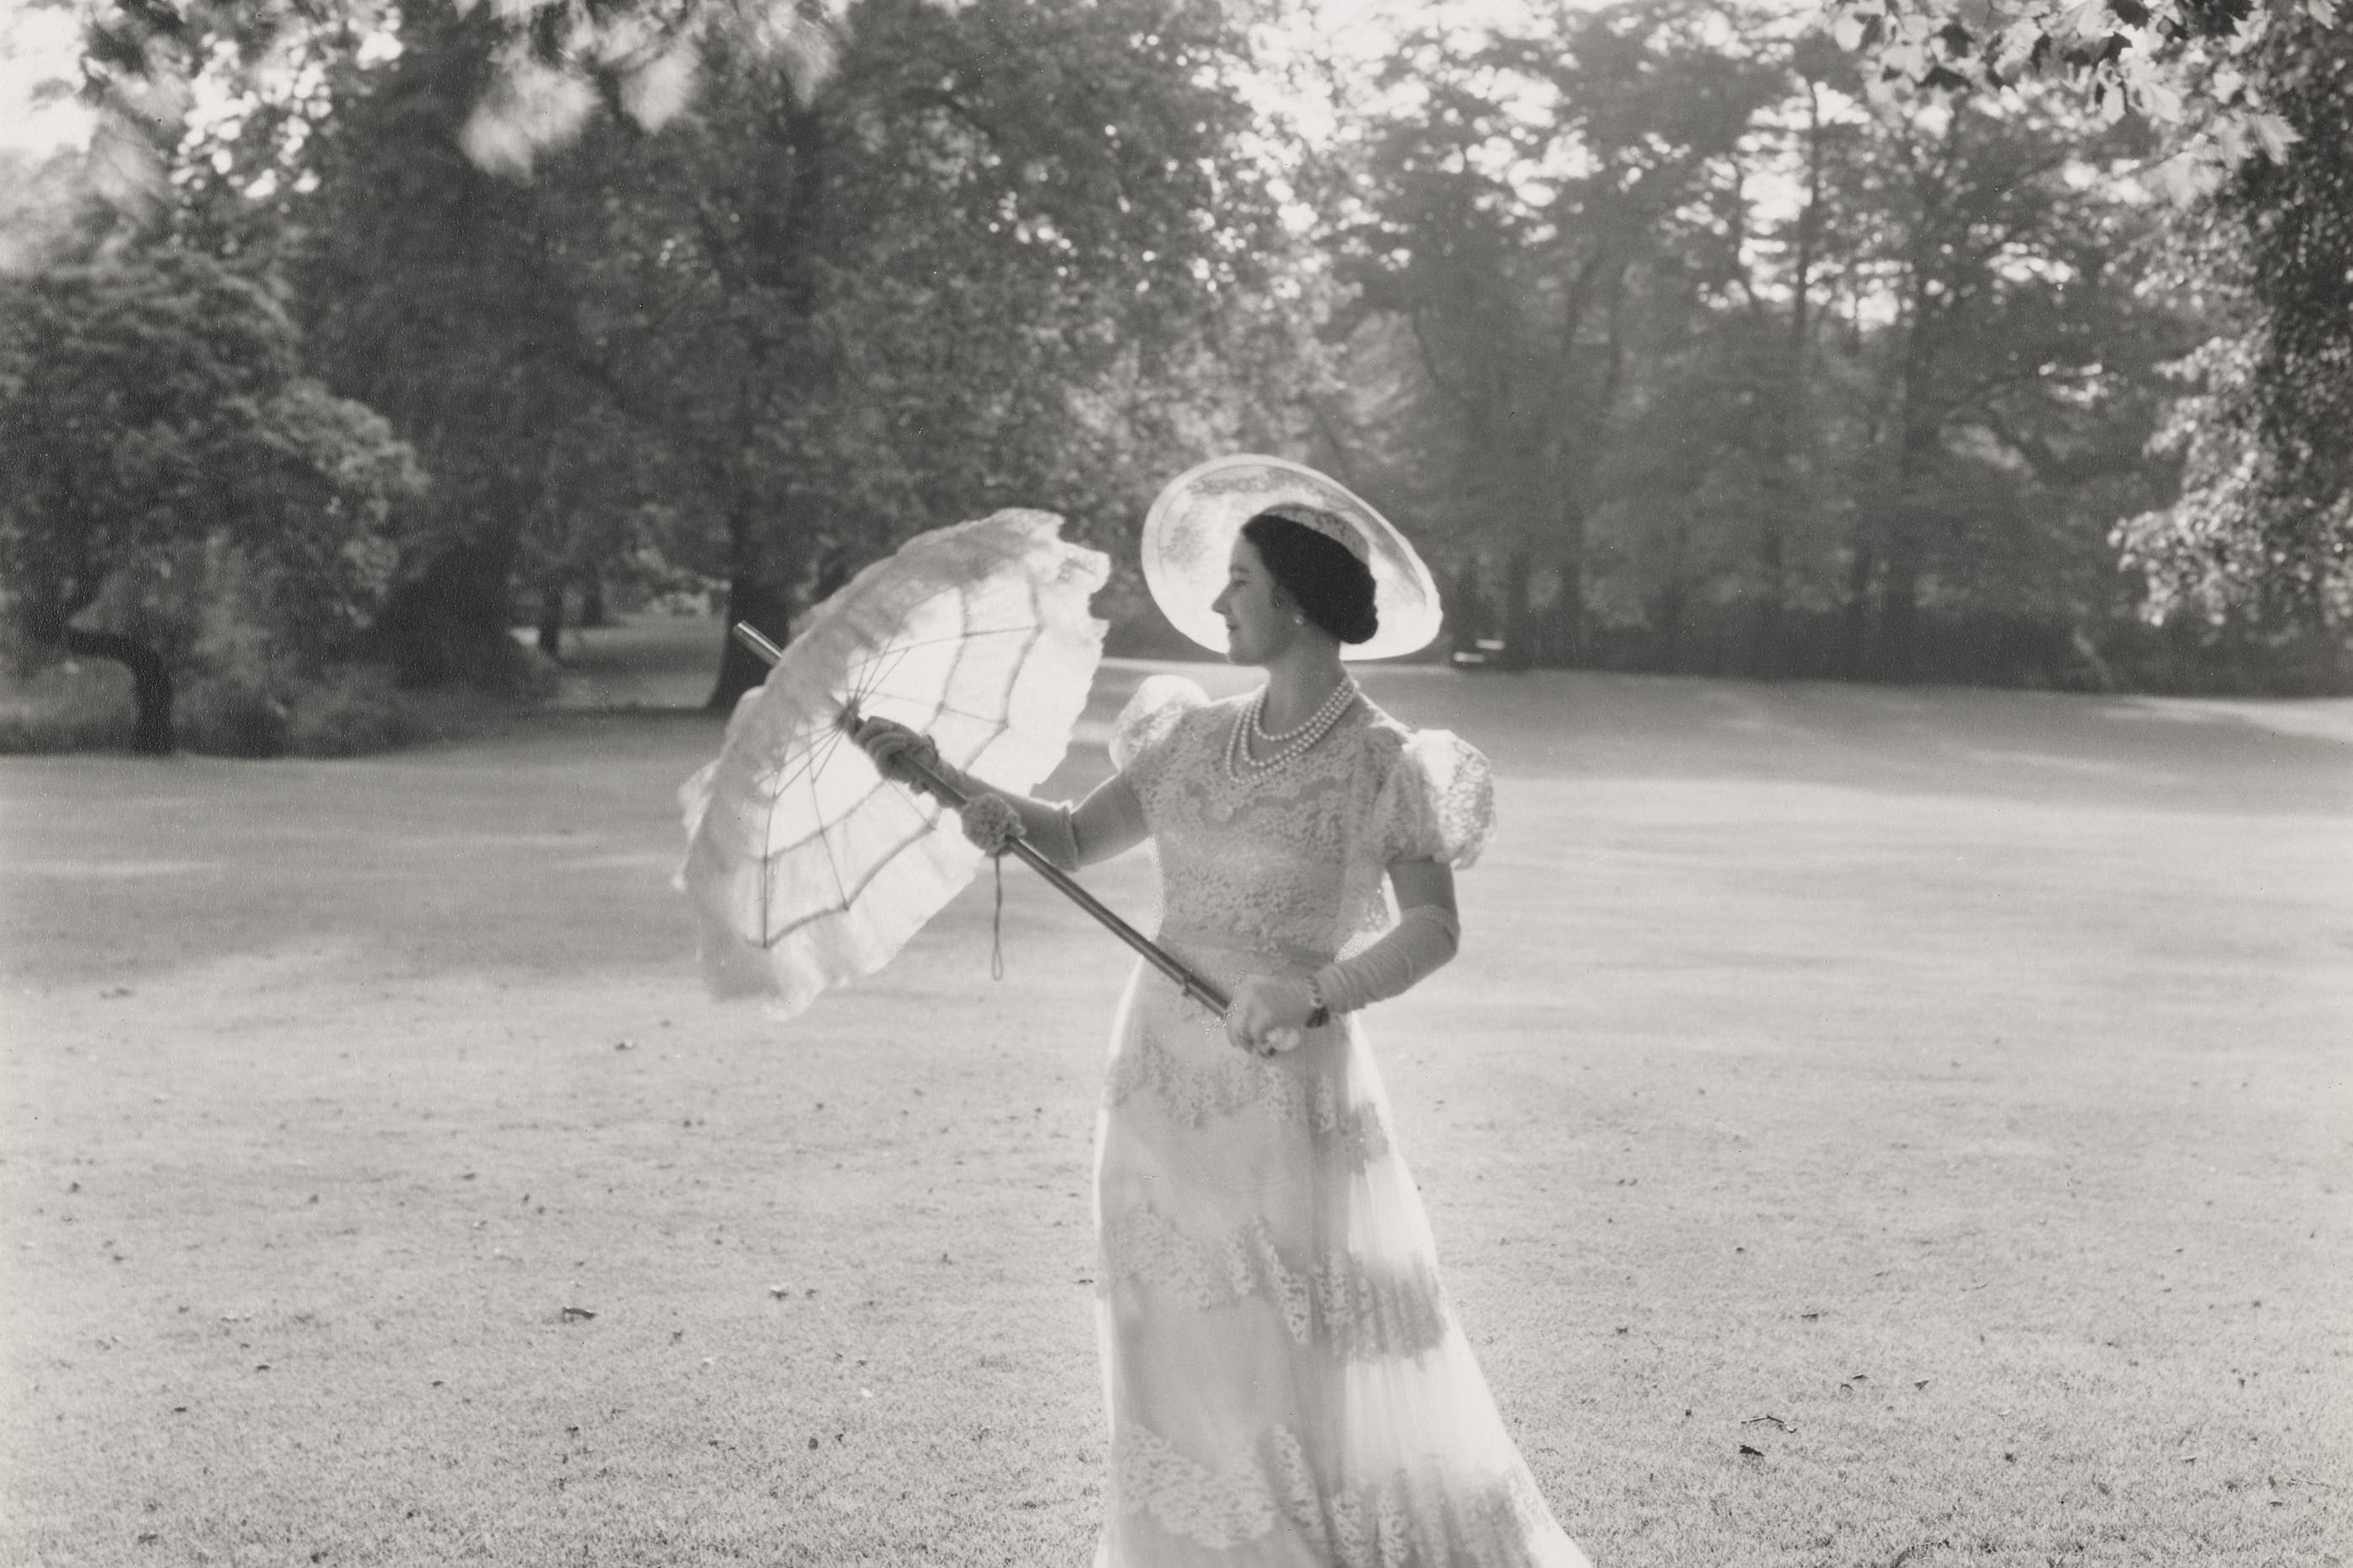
(1046, 824)
(1424, 938)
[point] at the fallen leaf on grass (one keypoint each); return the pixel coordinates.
(1753, 1453)
(780, 1292)
(1774, 1421)
(580, 1312)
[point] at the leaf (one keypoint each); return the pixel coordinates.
(2017, 46)
(1752, 1453)
(2276, 135)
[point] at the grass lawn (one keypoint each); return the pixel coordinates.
(1865, 1127)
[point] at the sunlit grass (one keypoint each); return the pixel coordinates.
(1942, 1095)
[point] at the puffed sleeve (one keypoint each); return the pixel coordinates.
(1438, 803)
(1140, 736)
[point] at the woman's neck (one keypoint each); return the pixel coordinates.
(1298, 681)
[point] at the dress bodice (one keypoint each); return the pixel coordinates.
(1292, 860)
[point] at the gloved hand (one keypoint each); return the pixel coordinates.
(889, 743)
(1269, 1014)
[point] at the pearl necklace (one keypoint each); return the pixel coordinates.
(1292, 744)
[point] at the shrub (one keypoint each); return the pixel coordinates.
(232, 714)
(66, 707)
(353, 711)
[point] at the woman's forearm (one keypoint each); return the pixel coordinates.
(1424, 938)
(1067, 836)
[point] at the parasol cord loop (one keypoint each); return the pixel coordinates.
(996, 923)
(992, 825)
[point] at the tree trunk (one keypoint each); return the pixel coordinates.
(740, 670)
(1855, 639)
(1899, 606)
(1565, 642)
(1465, 608)
(1767, 652)
(551, 616)
(152, 734)
(592, 598)
(754, 593)
(1668, 653)
(1768, 658)
(1519, 616)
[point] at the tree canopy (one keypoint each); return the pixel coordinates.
(1919, 341)
(158, 435)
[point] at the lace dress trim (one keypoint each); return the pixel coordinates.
(1404, 1521)
(1193, 1093)
(1363, 1313)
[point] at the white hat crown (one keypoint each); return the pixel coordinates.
(1335, 529)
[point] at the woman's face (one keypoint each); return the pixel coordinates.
(1258, 615)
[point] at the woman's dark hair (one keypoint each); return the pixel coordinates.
(1323, 576)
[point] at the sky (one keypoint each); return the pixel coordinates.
(36, 42)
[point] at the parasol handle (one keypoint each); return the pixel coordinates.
(1152, 953)
(1192, 984)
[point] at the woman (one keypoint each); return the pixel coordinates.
(1285, 1380)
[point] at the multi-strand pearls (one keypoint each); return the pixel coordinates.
(1289, 745)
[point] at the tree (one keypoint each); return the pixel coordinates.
(2249, 98)
(871, 303)
(2187, 67)
(853, 294)
(2263, 525)
(1522, 206)
(155, 424)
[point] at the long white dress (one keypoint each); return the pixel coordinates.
(1287, 1384)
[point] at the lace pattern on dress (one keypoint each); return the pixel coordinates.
(1362, 1313)
(1438, 803)
(1193, 1093)
(1404, 1521)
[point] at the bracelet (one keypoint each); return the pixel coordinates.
(1318, 1014)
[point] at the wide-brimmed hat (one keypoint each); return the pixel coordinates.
(1188, 538)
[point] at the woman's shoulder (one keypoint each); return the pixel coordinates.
(1383, 736)
(1163, 709)
(1435, 792)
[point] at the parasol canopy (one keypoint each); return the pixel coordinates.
(805, 867)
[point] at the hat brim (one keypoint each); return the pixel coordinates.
(1189, 540)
